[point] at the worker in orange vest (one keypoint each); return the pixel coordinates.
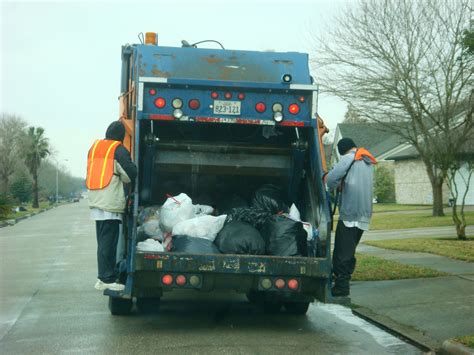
(109, 167)
(353, 176)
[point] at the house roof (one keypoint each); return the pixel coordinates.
(467, 151)
(371, 136)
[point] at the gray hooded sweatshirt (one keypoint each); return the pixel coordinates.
(357, 189)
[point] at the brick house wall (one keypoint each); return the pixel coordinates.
(412, 185)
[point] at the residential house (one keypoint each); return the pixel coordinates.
(412, 185)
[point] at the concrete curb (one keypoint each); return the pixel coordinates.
(404, 332)
(454, 348)
(13, 221)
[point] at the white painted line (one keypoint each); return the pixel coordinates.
(345, 314)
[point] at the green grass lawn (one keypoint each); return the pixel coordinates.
(416, 220)
(449, 247)
(393, 207)
(467, 340)
(372, 268)
(42, 205)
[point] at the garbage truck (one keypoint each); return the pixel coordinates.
(210, 122)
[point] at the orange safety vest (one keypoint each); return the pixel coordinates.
(100, 163)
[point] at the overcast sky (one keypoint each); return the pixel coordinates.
(60, 60)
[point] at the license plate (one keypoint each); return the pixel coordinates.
(226, 107)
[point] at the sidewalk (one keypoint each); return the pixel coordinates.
(439, 308)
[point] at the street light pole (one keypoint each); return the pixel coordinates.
(57, 180)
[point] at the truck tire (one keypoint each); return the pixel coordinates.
(299, 308)
(120, 306)
(148, 304)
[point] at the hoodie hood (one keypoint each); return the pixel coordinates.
(115, 131)
(364, 154)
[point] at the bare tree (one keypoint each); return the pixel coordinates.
(401, 63)
(11, 130)
(458, 176)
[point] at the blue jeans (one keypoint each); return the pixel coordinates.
(107, 232)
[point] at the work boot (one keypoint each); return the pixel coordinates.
(339, 292)
(341, 287)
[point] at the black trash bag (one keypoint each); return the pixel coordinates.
(270, 198)
(225, 205)
(192, 245)
(240, 238)
(253, 216)
(284, 237)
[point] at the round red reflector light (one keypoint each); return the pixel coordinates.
(294, 109)
(241, 96)
(181, 280)
(301, 99)
(214, 95)
(280, 283)
(260, 107)
(228, 95)
(167, 280)
(152, 92)
(293, 284)
(194, 104)
(160, 102)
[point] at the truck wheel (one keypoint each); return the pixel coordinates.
(148, 304)
(299, 308)
(120, 306)
(271, 307)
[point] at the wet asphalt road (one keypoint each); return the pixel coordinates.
(48, 306)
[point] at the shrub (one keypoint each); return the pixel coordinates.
(384, 188)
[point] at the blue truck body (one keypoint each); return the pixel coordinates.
(230, 117)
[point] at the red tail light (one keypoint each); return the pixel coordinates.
(194, 104)
(228, 95)
(293, 284)
(160, 102)
(241, 96)
(294, 109)
(152, 92)
(214, 95)
(260, 107)
(167, 280)
(181, 280)
(280, 283)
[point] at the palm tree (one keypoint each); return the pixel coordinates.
(36, 149)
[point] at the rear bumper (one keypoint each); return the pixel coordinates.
(233, 264)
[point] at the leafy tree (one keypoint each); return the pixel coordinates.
(468, 41)
(36, 149)
(401, 64)
(68, 185)
(21, 188)
(384, 188)
(11, 130)
(5, 206)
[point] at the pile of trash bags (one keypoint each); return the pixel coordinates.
(267, 226)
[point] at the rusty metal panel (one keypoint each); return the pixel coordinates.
(222, 65)
(233, 264)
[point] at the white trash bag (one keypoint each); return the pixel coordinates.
(206, 227)
(200, 210)
(176, 209)
(150, 245)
